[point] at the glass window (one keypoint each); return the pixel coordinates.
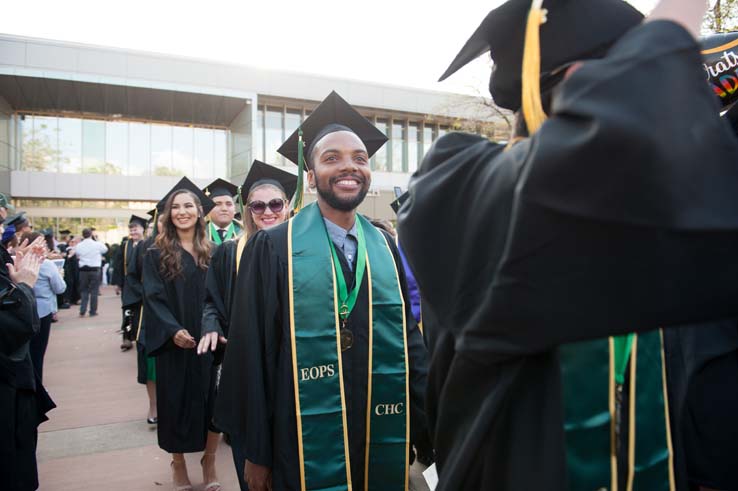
(204, 153)
(161, 150)
(273, 136)
(70, 145)
(380, 158)
(139, 149)
(219, 154)
(259, 143)
(93, 146)
(116, 148)
(41, 151)
(292, 121)
(399, 157)
(427, 138)
(414, 147)
(182, 151)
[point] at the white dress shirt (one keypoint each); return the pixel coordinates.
(89, 252)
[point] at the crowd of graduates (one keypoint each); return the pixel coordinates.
(572, 327)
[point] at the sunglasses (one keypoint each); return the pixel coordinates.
(259, 207)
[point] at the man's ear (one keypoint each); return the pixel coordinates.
(311, 179)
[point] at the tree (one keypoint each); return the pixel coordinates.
(723, 17)
(39, 154)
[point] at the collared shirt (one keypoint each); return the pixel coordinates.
(47, 287)
(345, 240)
(89, 252)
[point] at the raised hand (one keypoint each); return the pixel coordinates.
(26, 267)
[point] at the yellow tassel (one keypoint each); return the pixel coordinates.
(531, 98)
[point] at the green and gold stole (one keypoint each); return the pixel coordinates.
(592, 373)
(320, 403)
(231, 232)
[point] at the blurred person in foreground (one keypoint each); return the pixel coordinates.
(594, 221)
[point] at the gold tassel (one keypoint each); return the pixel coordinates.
(531, 98)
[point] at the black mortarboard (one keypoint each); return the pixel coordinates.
(47, 232)
(138, 220)
(333, 114)
(574, 30)
(220, 187)
(65, 232)
(184, 183)
(261, 173)
(16, 219)
(397, 203)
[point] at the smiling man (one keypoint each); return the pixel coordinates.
(325, 369)
(223, 225)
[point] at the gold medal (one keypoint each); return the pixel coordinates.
(347, 339)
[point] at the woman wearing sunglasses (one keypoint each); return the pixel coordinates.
(174, 272)
(266, 193)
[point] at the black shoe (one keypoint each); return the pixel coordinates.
(81, 314)
(152, 421)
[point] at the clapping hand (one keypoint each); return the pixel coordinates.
(26, 267)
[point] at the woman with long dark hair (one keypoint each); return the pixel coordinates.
(174, 290)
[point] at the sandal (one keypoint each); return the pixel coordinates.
(180, 487)
(213, 485)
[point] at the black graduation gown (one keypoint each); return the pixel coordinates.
(612, 218)
(23, 400)
(256, 395)
(702, 374)
(185, 381)
(219, 285)
(71, 278)
(134, 280)
(118, 265)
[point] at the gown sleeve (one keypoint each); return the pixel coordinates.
(246, 396)
(18, 318)
(118, 273)
(161, 324)
(133, 279)
(214, 311)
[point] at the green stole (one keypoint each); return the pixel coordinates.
(590, 371)
(320, 404)
(213, 233)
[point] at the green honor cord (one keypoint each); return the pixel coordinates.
(348, 300)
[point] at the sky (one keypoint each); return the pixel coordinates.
(400, 42)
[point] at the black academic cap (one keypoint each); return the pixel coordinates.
(396, 204)
(65, 232)
(47, 232)
(138, 220)
(220, 187)
(184, 183)
(574, 30)
(16, 219)
(333, 114)
(265, 173)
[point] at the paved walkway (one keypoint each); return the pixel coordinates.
(97, 438)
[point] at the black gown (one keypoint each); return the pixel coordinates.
(619, 215)
(71, 278)
(134, 282)
(23, 400)
(131, 291)
(256, 396)
(185, 381)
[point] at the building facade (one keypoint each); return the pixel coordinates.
(90, 135)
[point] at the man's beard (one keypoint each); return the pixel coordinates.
(342, 204)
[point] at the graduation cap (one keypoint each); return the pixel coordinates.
(47, 232)
(16, 219)
(184, 183)
(573, 30)
(399, 201)
(65, 232)
(333, 114)
(136, 220)
(220, 187)
(261, 173)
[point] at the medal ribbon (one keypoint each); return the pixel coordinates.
(348, 299)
